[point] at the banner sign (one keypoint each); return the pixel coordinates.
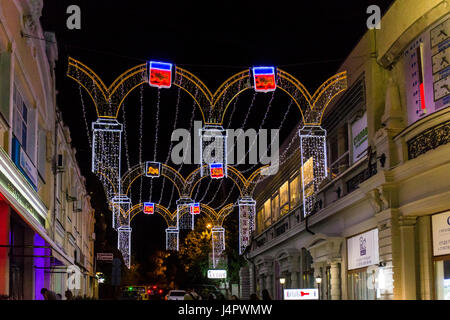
(264, 79)
(360, 140)
(426, 61)
(152, 169)
(160, 74)
(441, 233)
(362, 250)
(149, 208)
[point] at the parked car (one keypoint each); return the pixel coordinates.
(175, 295)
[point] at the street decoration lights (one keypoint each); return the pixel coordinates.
(160, 74)
(247, 210)
(148, 208)
(106, 144)
(264, 79)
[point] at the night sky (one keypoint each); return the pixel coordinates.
(214, 41)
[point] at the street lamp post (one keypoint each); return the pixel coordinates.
(282, 282)
(319, 281)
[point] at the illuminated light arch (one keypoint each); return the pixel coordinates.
(224, 213)
(195, 177)
(159, 209)
(312, 107)
(108, 101)
(166, 171)
(171, 218)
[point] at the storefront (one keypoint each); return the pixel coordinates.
(441, 254)
(362, 266)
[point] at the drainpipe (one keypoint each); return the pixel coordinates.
(55, 170)
(306, 226)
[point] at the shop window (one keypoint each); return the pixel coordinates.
(294, 191)
(442, 279)
(260, 221)
(284, 198)
(267, 214)
(307, 270)
(276, 207)
(358, 288)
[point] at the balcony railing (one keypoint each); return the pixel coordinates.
(429, 140)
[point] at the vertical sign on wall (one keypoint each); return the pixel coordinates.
(427, 71)
(360, 140)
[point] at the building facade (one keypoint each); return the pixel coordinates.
(381, 225)
(46, 220)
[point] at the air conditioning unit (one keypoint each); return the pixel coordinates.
(60, 162)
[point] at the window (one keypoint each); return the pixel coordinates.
(276, 207)
(442, 279)
(294, 189)
(42, 152)
(307, 270)
(357, 285)
(24, 126)
(284, 198)
(267, 214)
(260, 220)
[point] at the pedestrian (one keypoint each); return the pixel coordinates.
(265, 295)
(48, 294)
(254, 296)
(211, 296)
(234, 297)
(191, 295)
(58, 296)
(68, 294)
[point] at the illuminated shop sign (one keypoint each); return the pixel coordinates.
(217, 274)
(149, 208)
(160, 74)
(264, 79)
(152, 169)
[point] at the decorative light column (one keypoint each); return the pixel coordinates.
(213, 151)
(186, 220)
(120, 205)
(172, 239)
(247, 210)
(218, 244)
(106, 154)
(124, 243)
(313, 164)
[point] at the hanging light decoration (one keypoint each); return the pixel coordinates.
(218, 244)
(313, 164)
(247, 210)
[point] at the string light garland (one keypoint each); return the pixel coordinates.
(106, 144)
